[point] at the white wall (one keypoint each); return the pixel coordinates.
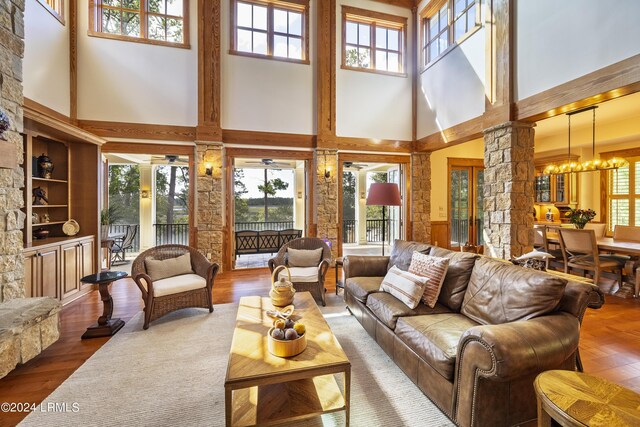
(136, 82)
(558, 41)
(46, 58)
(372, 105)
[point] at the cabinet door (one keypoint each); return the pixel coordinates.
(30, 275)
(70, 269)
(87, 249)
(49, 272)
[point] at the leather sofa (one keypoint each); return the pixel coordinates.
(495, 327)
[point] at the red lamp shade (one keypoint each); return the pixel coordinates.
(384, 194)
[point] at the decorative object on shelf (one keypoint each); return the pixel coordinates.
(41, 233)
(549, 215)
(35, 219)
(39, 196)
(5, 124)
(580, 217)
(595, 164)
(71, 227)
(45, 166)
(45, 218)
(282, 290)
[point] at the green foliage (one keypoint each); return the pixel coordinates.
(269, 188)
(349, 195)
(375, 212)
(171, 207)
(124, 194)
(353, 59)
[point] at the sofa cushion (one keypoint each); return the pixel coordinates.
(388, 308)
(405, 286)
(300, 274)
(500, 292)
(159, 269)
(435, 269)
(435, 338)
(402, 251)
(304, 257)
(361, 287)
(177, 284)
(457, 278)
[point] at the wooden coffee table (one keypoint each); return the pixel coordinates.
(262, 389)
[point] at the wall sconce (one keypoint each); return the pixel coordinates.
(327, 171)
(144, 194)
(299, 194)
(363, 195)
(208, 169)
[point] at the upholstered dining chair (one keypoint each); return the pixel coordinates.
(629, 233)
(305, 278)
(598, 227)
(180, 281)
(580, 251)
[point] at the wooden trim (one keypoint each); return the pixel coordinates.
(370, 144)
(626, 153)
(463, 162)
(326, 73)
(231, 136)
(59, 15)
(209, 69)
(43, 120)
(374, 15)
(36, 107)
(374, 158)
(414, 74)
(138, 130)
(610, 82)
(122, 38)
(269, 57)
(133, 148)
(268, 153)
(73, 60)
(457, 134)
(408, 4)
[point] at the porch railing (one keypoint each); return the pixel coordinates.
(261, 226)
(374, 230)
(349, 230)
(171, 234)
(122, 229)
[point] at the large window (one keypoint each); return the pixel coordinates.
(274, 30)
(373, 41)
(54, 7)
(623, 195)
(445, 23)
(162, 22)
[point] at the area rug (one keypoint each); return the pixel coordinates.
(173, 374)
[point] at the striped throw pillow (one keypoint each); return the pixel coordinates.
(435, 269)
(405, 286)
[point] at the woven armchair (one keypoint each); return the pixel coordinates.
(157, 306)
(316, 288)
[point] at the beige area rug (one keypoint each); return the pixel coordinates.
(173, 375)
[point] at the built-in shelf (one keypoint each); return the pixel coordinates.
(35, 178)
(48, 223)
(49, 206)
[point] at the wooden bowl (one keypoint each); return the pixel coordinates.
(286, 348)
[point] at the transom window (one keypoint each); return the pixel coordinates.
(54, 7)
(275, 30)
(152, 21)
(623, 195)
(373, 41)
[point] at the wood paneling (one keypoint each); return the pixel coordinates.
(400, 3)
(463, 132)
(159, 132)
(326, 70)
(414, 73)
(230, 136)
(42, 120)
(209, 71)
(440, 233)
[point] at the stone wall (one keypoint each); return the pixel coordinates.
(12, 181)
(326, 195)
(210, 200)
(508, 189)
(421, 196)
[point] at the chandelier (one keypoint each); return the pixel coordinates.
(595, 164)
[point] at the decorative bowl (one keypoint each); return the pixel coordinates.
(286, 348)
(41, 233)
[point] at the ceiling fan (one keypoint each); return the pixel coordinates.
(270, 163)
(351, 165)
(169, 159)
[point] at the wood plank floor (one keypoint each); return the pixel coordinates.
(610, 342)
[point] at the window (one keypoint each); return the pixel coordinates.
(54, 7)
(447, 23)
(623, 195)
(149, 21)
(273, 30)
(373, 41)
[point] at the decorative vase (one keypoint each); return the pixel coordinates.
(579, 224)
(45, 166)
(549, 215)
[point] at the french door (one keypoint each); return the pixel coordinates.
(466, 202)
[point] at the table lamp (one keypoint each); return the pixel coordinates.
(384, 194)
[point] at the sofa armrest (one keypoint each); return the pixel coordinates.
(364, 266)
(511, 351)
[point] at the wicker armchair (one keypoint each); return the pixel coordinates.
(157, 306)
(316, 288)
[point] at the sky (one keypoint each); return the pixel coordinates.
(255, 177)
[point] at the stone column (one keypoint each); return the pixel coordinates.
(210, 200)
(508, 189)
(421, 196)
(327, 196)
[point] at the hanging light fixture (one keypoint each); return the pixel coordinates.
(595, 164)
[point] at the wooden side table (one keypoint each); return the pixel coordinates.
(339, 284)
(578, 399)
(106, 326)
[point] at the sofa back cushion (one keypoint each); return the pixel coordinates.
(500, 292)
(457, 277)
(402, 252)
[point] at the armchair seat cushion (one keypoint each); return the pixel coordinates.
(388, 309)
(435, 338)
(300, 274)
(361, 287)
(177, 284)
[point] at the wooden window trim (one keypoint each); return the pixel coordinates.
(374, 19)
(59, 15)
(95, 7)
(301, 6)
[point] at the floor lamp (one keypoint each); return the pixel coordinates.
(384, 194)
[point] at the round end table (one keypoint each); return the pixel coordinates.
(106, 326)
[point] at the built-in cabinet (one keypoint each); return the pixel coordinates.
(559, 190)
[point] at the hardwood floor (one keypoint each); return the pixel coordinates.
(610, 342)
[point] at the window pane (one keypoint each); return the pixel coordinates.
(131, 24)
(443, 42)
(352, 33)
(471, 18)
(381, 60)
(260, 17)
(637, 176)
(156, 28)
(111, 21)
(295, 48)
(459, 28)
(433, 27)
(364, 57)
(175, 30)
(244, 41)
(444, 17)
(280, 46)
(351, 56)
(295, 23)
(620, 181)
(394, 37)
(619, 212)
(459, 6)
(259, 43)
(244, 15)
(175, 7)
(394, 64)
(280, 21)
(381, 38)
(114, 3)
(155, 6)
(637, 213)
(131, 4)
(364, 31)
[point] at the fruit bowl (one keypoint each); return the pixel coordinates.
(286, 348)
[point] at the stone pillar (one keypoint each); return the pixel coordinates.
(327, 196)
(421, 196)
(12, 180)
(210, 200)
(508, 189)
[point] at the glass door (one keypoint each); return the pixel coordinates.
(466, 206)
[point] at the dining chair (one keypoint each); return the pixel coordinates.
(630, 234)
(598, 227)
(580, 251)
(541, 243)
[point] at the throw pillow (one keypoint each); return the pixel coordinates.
(405, 286)
(159, 269)
(304, 257)
(435, 269)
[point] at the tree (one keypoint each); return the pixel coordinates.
(124, 193)
(349, 195)
(375, 212)
(240, 189)
(269, 188)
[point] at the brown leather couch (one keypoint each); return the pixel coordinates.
(494, 328)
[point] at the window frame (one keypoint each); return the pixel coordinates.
(300, 6)
(606, 181)
(58, 14)
(95, 24)
(374, 19)
(430, 10)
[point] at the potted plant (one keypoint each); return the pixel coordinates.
(580, 217)
(108, 216)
